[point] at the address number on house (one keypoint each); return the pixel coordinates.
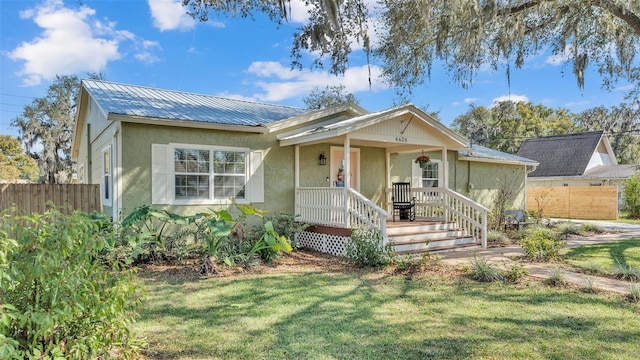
(402, 139)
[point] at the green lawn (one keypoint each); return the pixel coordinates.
(605, 256)
(345, 315)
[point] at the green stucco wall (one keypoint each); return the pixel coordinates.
(477, 180)
(136, 163)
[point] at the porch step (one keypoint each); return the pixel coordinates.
(442, 249)
(427, 236)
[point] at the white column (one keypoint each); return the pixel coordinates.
(347, 178)
(445, 170)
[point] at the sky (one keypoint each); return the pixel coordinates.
(154, 43)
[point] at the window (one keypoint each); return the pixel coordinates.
(106, 176)
(185, 174)
(197, 171)
(430, 175)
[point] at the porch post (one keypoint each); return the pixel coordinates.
(347, 178)
(296, 179)
(445, 180)
(388, 179)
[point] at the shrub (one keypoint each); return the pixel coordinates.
(556, 277)
(482, 270)
(568, 228)
(286, 225)
(365, 248)
(515, 273)
(593, 228)
(58, 299)
(541, 244)
(496, 237)
(588, 285)
(634, 293)
(631, 202)
(626, 272)
(593, 268)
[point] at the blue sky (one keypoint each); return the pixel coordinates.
(154, 43)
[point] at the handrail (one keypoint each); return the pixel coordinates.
(326, 206)
(448, 205)
(364, 212)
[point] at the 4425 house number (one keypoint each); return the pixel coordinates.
(402, 139)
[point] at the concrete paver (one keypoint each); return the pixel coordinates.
(505, 256)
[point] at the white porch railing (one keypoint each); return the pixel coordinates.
(444, 204)
(349, 209)
(339, 207)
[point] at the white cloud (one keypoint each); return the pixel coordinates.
(170, 15)
(279, 82)
(146, 55)
(576, 103)
(66, 45)
(72, 41)
(625, 88)
(514, 98)
(559, 59)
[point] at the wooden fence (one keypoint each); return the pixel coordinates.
(35, 198)
(575, 202)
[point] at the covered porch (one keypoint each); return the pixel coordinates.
(371, 151)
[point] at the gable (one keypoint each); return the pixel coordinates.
(563, 155)
(398, 128)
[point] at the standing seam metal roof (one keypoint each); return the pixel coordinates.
(133, 100)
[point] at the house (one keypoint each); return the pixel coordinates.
(190, 152)
(582, 159)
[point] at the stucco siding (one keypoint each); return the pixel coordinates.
(136, 168)
(102, 141)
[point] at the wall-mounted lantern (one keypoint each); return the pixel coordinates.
(322, 158)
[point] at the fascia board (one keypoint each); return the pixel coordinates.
(187, 124)
(315, 115)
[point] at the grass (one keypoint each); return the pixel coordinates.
(605, 256)
(378, 315)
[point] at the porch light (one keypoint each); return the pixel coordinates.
(322, 158)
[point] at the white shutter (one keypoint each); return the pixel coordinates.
(159, 174)
(255, 184)
(416, 175)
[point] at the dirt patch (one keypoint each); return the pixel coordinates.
(299, 261)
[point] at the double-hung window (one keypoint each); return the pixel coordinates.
(106, 176)
(204, 174)
(430, 175)
(186, 174)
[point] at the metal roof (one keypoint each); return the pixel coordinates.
(481, 152)
(132, 100)
(562, 155)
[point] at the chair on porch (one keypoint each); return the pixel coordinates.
(403, 203)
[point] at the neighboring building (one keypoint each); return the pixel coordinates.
(189, 152)
(582, 159)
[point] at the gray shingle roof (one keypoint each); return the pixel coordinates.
(481, 152)
(134, 100)
(562, 155)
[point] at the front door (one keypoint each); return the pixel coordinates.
(337, 162)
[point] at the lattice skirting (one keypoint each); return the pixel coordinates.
(329, 244)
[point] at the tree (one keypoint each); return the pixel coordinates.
(14, 163)
(47, 125)
(620, 123)
(505, 126)
(330, 95)
(466, 35)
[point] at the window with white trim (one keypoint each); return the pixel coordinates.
(185, 174)
(207, 174)
(106, 176)
(430, 174)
